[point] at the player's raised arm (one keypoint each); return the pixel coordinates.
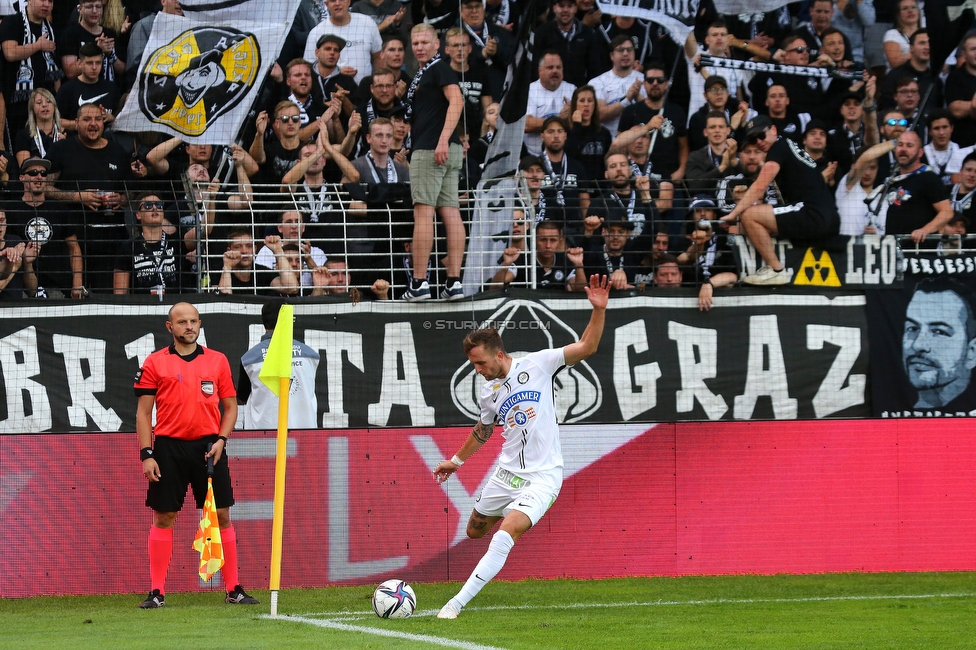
(599, 293)
(480, 434)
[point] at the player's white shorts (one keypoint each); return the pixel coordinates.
(531, 493)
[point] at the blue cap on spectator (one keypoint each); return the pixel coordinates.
(702, 201)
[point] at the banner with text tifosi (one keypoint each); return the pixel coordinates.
(755, 355)
(923, 339)
(361, 506)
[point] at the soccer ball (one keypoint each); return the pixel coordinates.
(394, 599)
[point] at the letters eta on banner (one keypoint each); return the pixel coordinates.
(200, 72)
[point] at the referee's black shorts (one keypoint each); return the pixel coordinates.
(182, 463)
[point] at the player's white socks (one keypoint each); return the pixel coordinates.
(488, 567)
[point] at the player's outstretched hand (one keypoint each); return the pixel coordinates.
(599, 291)
(444, 470)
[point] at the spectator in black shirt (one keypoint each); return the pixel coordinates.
(614, 253)
(150, 262)
(15, 255)
(329, 83)
(589, 141)
(960, 93)
(391, 56)
(28, 42)
(493, 47)
(472, 79)
(670, 152)
(43, 127)
(88, 87)
(568, 37)
(804, 92)
(238, 273)
(717, 98)
(714, 160)
(815, 144)
(564, 175)
(434, 103)
(808, 213)
(282, 152)
(298, 79)
(919, 68)
(381, 102)
(787, 123)
(918, 202)
(89, 31)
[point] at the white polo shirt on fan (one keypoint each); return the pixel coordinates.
(522, 404)
(544, 103)
(612, 89)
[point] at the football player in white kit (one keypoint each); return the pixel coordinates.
(529, 473)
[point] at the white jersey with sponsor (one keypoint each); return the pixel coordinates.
(522, 404)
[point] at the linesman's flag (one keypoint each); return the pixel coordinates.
(207, 541)
(200, 72)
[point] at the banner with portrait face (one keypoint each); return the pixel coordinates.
(200, 72)
(923, 340)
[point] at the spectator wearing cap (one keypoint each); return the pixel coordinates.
(669, 155)
(918, 67)
(87, 86)
(716, 159)
(717, 98)
(621, 85)
(717, 45)
(564, 175)
(709, 260)
(492, 47)
(614, 252)
(788, 123)
(941, 151)
(568, 37)
(858, 128)
(808, 212)
(329, 81)
(549, 96)
(815, 144)
(363, 41)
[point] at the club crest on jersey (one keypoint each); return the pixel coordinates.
(519, 418)
(523, 377)
(898, 197)
(667, 129)
(197, 77)
(801, 154)
(39, 230)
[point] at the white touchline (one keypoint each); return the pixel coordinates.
(658, 603)
(378, 631)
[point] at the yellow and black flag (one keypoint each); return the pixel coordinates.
(200, 72)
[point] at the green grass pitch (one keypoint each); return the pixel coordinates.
(871, 611)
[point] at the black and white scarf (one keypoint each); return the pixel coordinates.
(25, 73)
(415, 83)
(637, 170)
(315, 208)
(557, 181)
(540, 207)
(960, 205)
(391, 174)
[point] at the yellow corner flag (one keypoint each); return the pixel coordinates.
(277, 363)
(207, 541)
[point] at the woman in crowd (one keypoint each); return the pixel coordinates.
(588, 141)
(43, 127)
(896, 41)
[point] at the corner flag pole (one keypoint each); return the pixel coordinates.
(276, 375)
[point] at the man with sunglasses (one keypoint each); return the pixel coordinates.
(669, 157)
(55, 231)
(805, 93)
(281, 153)
(808, 212)
(893, 124)
(151, 262)
(821, 13)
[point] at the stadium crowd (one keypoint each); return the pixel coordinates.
(370, 134)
